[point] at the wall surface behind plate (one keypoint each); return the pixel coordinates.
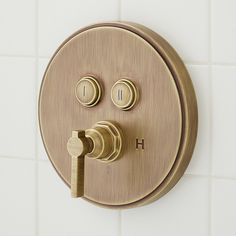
(34, 200)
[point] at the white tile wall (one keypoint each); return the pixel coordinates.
(17, 24)
(33, 199)
(59, 19)
(17, 103)
(223, 207)
(223, 31)
(17, 197)
(184, 23)
(177, 213)
(224, 117)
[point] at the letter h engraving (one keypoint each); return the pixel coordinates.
(139, 143)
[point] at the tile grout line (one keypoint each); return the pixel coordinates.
(192, 63)
(120, 223)
(21, 158)
(18, 158)
(36, 199)
(223, 178)
(36, 116)
(210, 176)
(211, 115)
(18, 55)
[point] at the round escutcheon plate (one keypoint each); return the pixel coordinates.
(159, 131)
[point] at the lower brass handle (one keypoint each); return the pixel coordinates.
(78, 146)
(77, 176)
(103, 141)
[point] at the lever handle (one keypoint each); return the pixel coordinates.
(103, 141)
(78, 146)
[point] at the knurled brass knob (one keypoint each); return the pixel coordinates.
(103, 142)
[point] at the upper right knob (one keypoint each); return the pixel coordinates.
(124, 94)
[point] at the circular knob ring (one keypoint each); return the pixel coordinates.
(97, 91)
(113, 142)
(133, 94)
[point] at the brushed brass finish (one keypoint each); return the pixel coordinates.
(158, 135)
(124, 94)
(88, 91)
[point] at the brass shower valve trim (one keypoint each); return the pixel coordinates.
(118, 114)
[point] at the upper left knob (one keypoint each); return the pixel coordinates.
(88, 91)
